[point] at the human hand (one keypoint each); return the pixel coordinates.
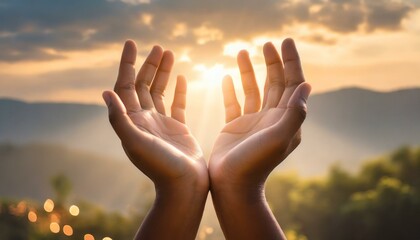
(251, 145)
(161, 147)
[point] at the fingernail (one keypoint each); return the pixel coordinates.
(107, 98)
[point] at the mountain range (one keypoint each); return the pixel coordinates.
(39, 140)
(342, 126)
(26, 172)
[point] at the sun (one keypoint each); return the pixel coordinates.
(211, 76)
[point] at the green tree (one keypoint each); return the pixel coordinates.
(381, 201)
(62, 187)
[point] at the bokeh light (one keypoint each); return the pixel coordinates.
(49, 205)
(21, 208)
(55, 227)
(88, 237)
(67, 230)
(74, 210)
(209, 230)
(205, 232)
(55, 218)
(106, 238)
(32, 217)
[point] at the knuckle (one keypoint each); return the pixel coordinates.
(293, 80)
(178, 105)
(296, 141)
(233, 107)
(301, 112)
(157, 90)
(126, 86)
(251, 91)
(157, 94)
(113, 118)
(276, 81)
(141, 86)
(282, 144)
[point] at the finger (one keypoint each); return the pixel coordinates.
(295, 113)
(232, 107)
(124, 86)
(293, 72)
(297, 138)
(119, 119)
(180, 100)
(249, 83)
(161, 81)
(145, 76)
(274, 85)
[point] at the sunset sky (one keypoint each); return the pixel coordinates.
(69, 50)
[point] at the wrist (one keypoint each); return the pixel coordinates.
(196, 180)
(238, 192)
(223, 182)
(182, 190)
(244, 213)
(180, 196)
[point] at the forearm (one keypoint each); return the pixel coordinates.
(175, 214)
(245, 214)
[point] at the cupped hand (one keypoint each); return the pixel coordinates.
(252, 144)
(162, 147)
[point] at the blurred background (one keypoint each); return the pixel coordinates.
(63, 174)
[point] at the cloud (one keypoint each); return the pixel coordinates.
(339, 16)
(133, 2)
(386, 14)
(61, 25)
(318, 38)
(43, 29)
(206, 34)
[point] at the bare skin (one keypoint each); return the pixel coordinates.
(162, 147)
(249, 147)
(252, 144)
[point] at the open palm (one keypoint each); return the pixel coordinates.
(171, 143)
(251, 145)
(162, 147)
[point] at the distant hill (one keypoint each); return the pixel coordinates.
(364, 116)
(353, 124)
(347, 126)
(26, 172)
(77, 126)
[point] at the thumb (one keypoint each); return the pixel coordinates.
(296, 111)
(114, 103)
(117, 114)
(300, 96)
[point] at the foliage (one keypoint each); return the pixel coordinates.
(381, 201)
(62, 187)
(31, 220)
(15, 223)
